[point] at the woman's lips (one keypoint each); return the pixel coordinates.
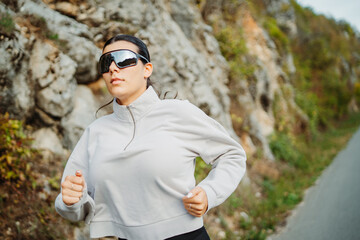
(116, 80)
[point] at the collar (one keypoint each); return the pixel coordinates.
(138, 108)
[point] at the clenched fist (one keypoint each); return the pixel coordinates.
(72, 188)
(196, 202)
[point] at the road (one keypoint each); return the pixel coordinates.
(331, 208)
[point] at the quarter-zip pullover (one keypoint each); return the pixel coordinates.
(138, 164)
(132, 116)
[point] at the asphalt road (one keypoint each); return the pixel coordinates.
(331, 208)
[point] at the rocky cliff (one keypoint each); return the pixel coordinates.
(50, 58)
(49, 51)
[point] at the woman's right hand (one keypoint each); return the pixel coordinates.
(72, 188)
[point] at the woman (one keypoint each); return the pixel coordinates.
(131, 175)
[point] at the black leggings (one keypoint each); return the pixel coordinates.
(199, 234)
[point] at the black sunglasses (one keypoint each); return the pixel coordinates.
(123, 58)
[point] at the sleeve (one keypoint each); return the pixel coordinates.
(209, 140)
(78, 160)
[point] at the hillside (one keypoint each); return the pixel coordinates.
(274, 74)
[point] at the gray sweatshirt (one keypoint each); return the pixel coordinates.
(138, 164)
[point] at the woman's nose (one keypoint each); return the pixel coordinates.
(113, 67)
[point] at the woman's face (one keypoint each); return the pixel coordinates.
(126, 84)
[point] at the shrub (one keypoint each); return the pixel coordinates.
(233, 48)
(15, 151)
(308, 102)
(357, 92)
(232, 43)
(201, 169)
(280, 38)
(27, 191)
(282, 147)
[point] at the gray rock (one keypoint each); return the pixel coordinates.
(82, 115)
(76, 37)
(289, 64)
(56, 99)
(17, 89)
(54, 71)
(58, 23)
(44, 118)
(46, 139)
(23, 94)
(44, 63)
(184, 16)
(67, 8)
(189, 68)
(97, 17)
(86, 55)
(258, 129)
(133, 12)
(284, 14)
(5, 10)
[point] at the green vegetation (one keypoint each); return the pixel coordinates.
(326, 56)
(233, 47)
(15, 151)
(322, 51)
(7, 25)
(281, 40)
(201, 169)
(284, 149)
(286, 191)
(26, 209)
(357, 92)
(300, 162)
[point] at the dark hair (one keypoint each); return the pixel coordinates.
(142, 50)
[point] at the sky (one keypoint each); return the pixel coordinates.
(348, 10)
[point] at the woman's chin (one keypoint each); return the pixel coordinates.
(118, 92)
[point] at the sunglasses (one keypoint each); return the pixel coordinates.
(123, 58)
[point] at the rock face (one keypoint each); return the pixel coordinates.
(16, 96)
(76, 37)
(53, 72)
(259, 97)
(55, 46)
(43, 77)
(46, 139)
(272, 83)
(284, 14)
(16, 87)
(81, 116)
(186, 58)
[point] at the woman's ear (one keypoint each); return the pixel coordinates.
(148, 70)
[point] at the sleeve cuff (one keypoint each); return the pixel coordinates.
(211, 196)
(82, 210)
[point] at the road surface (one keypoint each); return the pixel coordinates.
(331, 208)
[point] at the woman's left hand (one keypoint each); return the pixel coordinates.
(196, 202)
